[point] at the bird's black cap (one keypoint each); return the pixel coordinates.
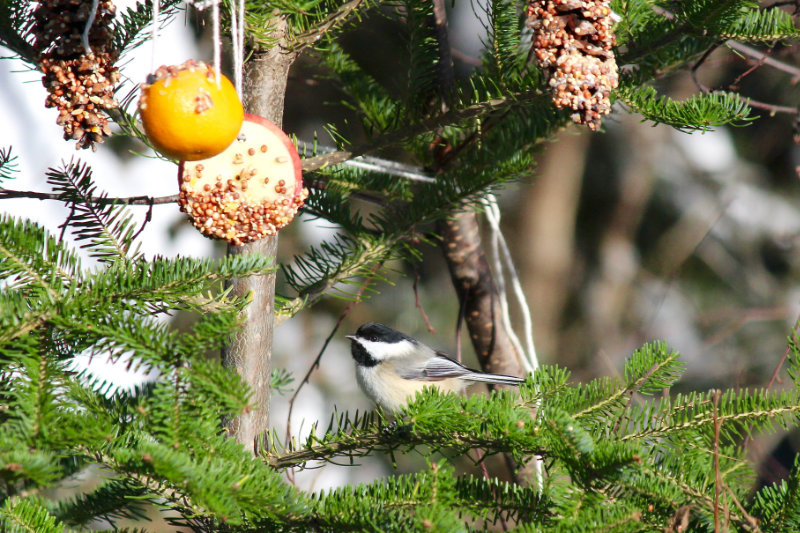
(375, 332)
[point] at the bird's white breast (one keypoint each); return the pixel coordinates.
(383, 386)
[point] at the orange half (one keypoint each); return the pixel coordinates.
(188, 114)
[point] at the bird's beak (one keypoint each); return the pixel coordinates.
(351, 337)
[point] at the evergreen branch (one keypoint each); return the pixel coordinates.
(698, 113)
(694, 413)
(29, 253)
(353, 260)
(634, 382)
(130, 26)
(96, 200)
(454, 116)
(18, 265)
(28, 515)
(109, 229)
(112, 500)
(8, 164)
(498, 423)
(335, 20)
(758, 25)
(778, 505)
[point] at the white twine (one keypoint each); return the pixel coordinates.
(154, 35)
(502, 261)
(88, 27)
(237, 40)
(216, 39)
(501, 257)
(237, 28)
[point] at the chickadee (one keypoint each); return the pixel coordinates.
(391, 367)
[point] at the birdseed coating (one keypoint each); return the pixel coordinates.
(248, 192)
(572, 43)
(79, 85)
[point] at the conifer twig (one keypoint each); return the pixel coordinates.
(418, 304)
(717, 475)
(335, 19)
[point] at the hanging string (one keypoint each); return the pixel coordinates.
(154, 36)
(216, 39)
(237, 40)
(499, 250)
(501, 254)
(88, 27)
(237, 29)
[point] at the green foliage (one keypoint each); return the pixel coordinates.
(131, 26)
(56, 422)
(607, 470)
(107, 228)
(701, 112)
(619, 454)
(8, 164)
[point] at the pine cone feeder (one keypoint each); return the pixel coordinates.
(572, 43)
(80, 83)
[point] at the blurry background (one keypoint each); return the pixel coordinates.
(635, 234)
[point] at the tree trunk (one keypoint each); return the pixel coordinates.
(250, 351)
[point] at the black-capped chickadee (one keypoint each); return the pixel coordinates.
(391, 367)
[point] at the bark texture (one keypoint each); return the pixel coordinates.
(477, 294)
(250, 351)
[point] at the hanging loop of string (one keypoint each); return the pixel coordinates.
(502, 262)
(237, 36)
(88, 27)
(154, 29)
(216, 39)
(237, 39)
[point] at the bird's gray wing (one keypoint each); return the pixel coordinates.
(436, 368)
(442, 367)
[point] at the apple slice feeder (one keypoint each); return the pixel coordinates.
(250, 190)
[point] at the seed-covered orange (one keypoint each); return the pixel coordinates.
(187, 113)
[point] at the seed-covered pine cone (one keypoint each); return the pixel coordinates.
(79, 84)
(572, 43)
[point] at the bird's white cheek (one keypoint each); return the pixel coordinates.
(383, 351)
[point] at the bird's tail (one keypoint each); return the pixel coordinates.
(497, 379)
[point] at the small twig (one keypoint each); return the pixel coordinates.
(485, 472)
(752, 520)
(717, 474)
(128, 200)
(756, 65)
(785, 355)
(772, 108)
(147, 218)
(66, 223)
(318, 358)
(754, 53)
(418, 304)
(698, 64)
